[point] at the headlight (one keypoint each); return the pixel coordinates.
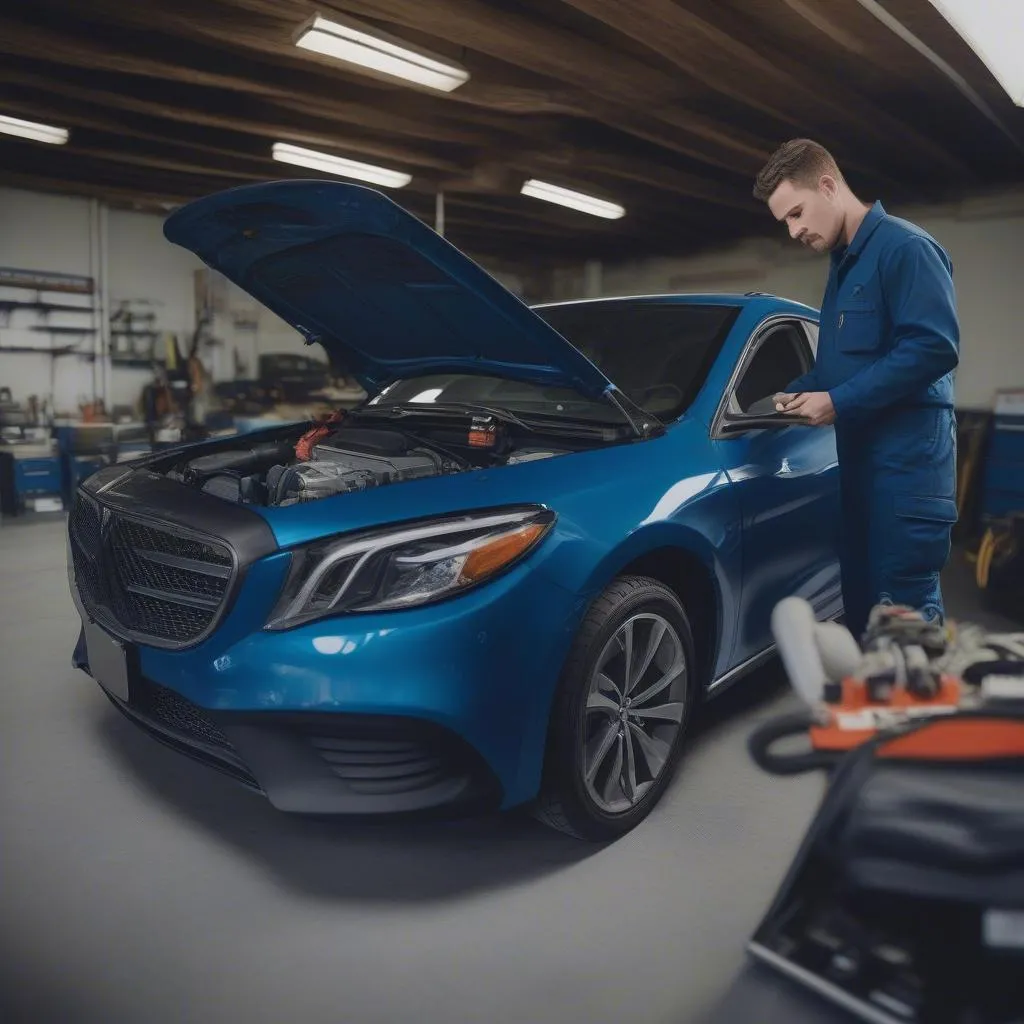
(404, 567)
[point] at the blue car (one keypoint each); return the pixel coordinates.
(508, 578)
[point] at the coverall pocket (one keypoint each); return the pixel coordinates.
(923, 530)
(857, 328)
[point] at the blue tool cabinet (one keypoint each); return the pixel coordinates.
(1003, 481)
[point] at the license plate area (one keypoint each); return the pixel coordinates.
(108, 661)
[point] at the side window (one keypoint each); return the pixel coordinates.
(781, 355)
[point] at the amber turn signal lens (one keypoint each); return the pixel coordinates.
(491, 557)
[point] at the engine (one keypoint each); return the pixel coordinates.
(345, 460)
(355, 460)
(348, 460)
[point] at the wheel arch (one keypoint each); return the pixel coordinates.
(686, 562)
(693, 583)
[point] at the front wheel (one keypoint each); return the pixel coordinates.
(621, 712)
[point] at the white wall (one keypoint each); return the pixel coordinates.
(143, 265)
(984, 237)
(48, 233)
(60, 234)
(54, 233)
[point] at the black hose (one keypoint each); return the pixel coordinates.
(761, 739)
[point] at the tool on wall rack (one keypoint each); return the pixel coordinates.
(45, 294)
(134, 334)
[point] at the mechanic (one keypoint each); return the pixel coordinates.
(889, 341)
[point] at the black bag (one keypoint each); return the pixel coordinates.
(906, 899)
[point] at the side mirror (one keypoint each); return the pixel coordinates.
(765, 421)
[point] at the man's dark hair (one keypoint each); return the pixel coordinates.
(801, 161)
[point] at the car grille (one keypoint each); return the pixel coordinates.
(151, 583)
(180, 724)
(173, 711)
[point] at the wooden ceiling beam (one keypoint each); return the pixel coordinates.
(551, 222)
(667, 123)
(563, 56)
(512, 38)
(569, 224)
(68, 110)
(109, 174)
(63, 185)
(667, 106)
(728, 148)
(593, 71)
(303, 84)
(512, 169)
(707, 50)
(236, 169)
(25, 40)
(89, 55)
(576, 163)
(307, 131)
(73, 119)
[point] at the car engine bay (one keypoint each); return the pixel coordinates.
(339, 458)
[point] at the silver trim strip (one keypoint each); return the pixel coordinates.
(754, 662)
(725, 299)
(742, 669)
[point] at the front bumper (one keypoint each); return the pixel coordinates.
(317, 763)
(439, 709)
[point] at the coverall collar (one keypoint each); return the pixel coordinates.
(872, 219)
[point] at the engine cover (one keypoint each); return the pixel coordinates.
(353, 460)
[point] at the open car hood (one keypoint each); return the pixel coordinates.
(383, 293)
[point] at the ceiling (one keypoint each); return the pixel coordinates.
(668, 107)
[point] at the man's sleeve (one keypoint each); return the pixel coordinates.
(926, 337)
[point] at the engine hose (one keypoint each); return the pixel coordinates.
(761, 739)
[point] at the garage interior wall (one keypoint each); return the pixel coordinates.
(60, 234)
(983, 235)
(57, 234)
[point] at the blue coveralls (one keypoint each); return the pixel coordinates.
(888, 344)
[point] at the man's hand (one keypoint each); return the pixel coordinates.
(814, 407)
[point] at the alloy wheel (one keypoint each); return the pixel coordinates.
(635, 706)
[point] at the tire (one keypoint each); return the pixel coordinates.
(581, 794)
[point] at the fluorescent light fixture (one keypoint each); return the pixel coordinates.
(33, 130)
(348, 40)
(289, 154)
(994, 30)
(574, 200)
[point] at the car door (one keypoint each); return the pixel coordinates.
(786, 479)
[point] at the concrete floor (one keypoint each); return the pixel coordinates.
(140, 887)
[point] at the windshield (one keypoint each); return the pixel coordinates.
(496, 392)
(657, 353)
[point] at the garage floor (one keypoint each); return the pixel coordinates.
(139, 887)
